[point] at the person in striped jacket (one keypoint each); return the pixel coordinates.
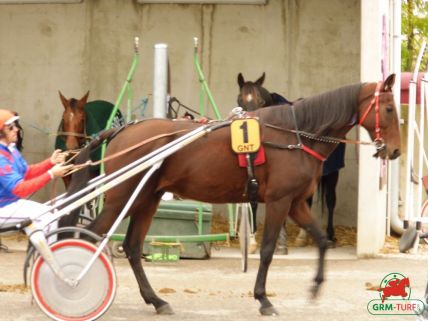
(18, 180)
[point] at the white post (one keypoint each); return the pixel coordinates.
(160, 80)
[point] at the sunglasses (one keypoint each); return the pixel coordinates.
(12, 126)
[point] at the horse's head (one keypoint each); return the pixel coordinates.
(405, 281)
(73, 120)
(252, 95)
(378, 114)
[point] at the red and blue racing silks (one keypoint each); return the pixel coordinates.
(17, 178)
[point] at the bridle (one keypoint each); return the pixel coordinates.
(82, 137)
(378, 141)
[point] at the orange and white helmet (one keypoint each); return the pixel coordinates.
(7, 117)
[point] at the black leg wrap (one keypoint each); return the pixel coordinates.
(253, 190)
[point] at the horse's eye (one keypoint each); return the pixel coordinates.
(389, 108)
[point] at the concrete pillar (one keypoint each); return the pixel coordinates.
(371, 197)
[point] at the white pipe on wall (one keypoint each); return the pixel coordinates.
(160, 80)
(394, 166)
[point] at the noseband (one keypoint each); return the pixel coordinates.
(82, 137)
(379, 142)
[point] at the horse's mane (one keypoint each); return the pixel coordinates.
(317, 114)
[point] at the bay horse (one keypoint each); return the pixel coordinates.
(80, 121)
(252, 95)
(206, 170)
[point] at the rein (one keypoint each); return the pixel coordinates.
(120, 153)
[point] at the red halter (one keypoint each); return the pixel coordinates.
(374, 102)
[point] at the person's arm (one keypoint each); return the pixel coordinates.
(35, 170)
(13, 182)
(38, 169)
(26, 187)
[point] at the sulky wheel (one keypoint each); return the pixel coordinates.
(93, 295)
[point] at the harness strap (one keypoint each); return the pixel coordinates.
(325, 139)
(61, 133)
(252, 183)
(299, 140)
(303, 147)
(315, 154)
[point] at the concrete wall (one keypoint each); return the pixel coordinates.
(304, 46)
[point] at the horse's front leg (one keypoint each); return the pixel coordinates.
(300, 213)
(276, 213)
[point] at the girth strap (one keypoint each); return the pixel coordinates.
(252, 184)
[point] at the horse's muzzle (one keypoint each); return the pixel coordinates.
(395, 154)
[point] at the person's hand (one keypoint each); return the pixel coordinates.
(58, 157)
(203, 120)
(59, 170)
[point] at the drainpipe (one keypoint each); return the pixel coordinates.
(394, 173)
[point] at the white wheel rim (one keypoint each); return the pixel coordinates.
(87, 301)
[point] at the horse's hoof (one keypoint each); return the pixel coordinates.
(253, 245)
(331, 244)
(268, 311)
(314, 291)
(282, 250)
(300, 242)
(165, 310)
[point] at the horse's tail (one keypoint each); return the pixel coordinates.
(371, 287)
(80, 178)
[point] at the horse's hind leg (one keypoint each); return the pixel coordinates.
(132, 245)
(330, 197)
(275, 217)
(301, 215)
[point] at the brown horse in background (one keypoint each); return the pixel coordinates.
(72, 128)
(206, 170)
(82, 120)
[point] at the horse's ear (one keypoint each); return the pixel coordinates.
(241, 80)
(261, 80)
(84, 99)
(64, 100)
(389, 83)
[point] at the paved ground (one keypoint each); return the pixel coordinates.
(215, 289)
